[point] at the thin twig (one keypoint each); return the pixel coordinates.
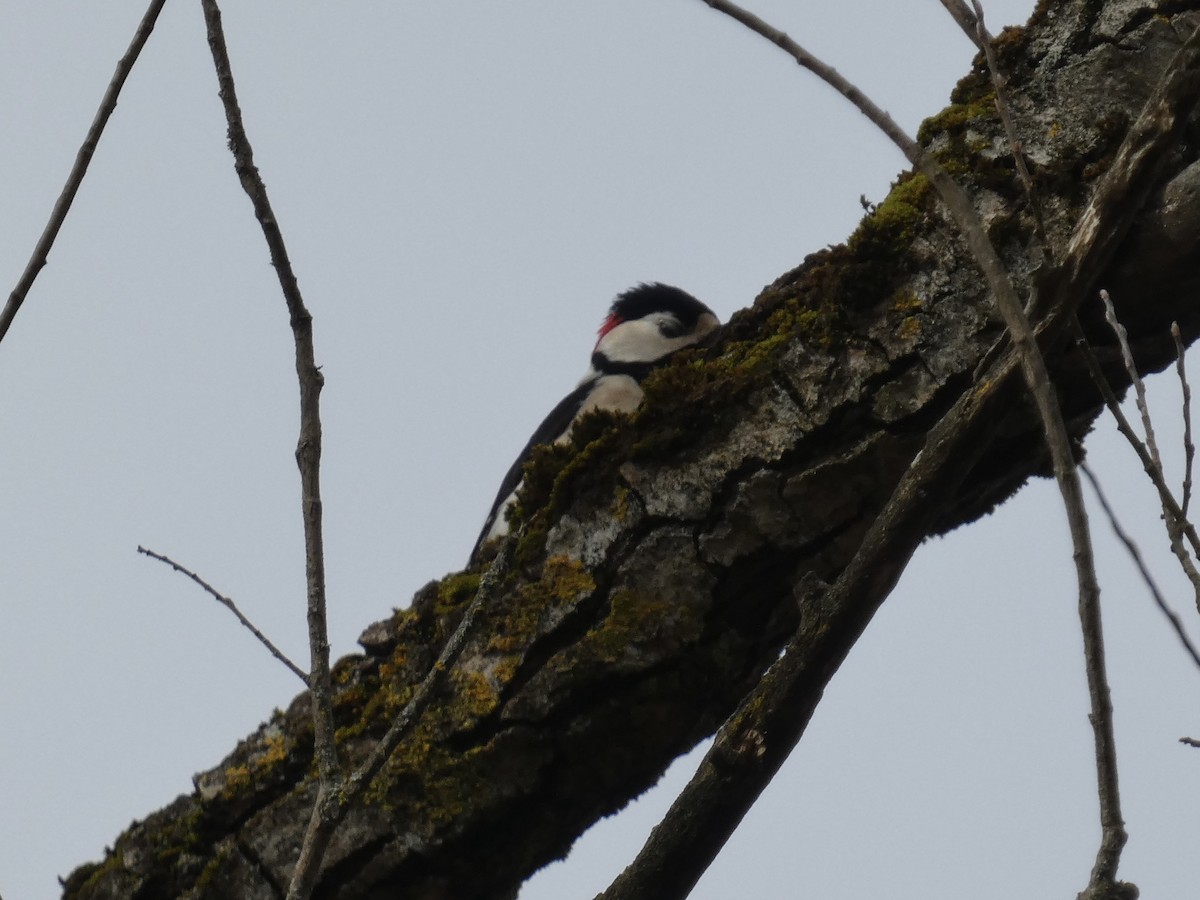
(1174, 518)
(231, 606)
(1171, 510)
(1139, 386)
(1000, 84)
(1189, 448)
(1143, 570)
(83, 158)
(1170, 506)
(308, 447)
(334, 794)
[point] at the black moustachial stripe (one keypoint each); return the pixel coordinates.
(635, 370)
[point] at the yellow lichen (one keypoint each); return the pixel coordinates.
(237, 779)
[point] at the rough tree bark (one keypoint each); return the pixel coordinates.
(667, 561)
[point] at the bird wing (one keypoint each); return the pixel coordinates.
(552, 428)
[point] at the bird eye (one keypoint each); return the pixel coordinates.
(669, 326)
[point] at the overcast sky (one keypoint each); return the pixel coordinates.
(463, 188)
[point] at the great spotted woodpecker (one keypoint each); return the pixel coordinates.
(645, 325)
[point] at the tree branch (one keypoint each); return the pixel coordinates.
(662, 577)
(308, 454)
(83, 158)
(1139, 386)
(1189, 448)
(232, 607)
(985, 41)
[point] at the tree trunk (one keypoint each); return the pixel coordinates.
(664, 566)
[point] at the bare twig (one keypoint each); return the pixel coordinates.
(1001, 87)
(1171, 507)
(1171, 510)
(1139, 386)
(1175, 520)
(335, 794)
(1143, 570)
(82, 159)
(1189, 448)
(308, 448)
(231, 606)
(1053, 427)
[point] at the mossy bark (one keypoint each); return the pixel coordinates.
(665, 562)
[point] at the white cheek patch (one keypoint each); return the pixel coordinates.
(630, 341)
(639, 341)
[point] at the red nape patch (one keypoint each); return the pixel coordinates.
(610, 323)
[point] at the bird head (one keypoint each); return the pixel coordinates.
(650, 322)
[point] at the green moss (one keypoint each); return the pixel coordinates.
(745, 364)
(961, 115)
(555, 474)
(455, 591)
(892, 225)
(973, 100)
(969, 130)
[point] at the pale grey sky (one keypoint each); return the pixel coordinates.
(463, 188)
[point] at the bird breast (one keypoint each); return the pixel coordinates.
(620, 393)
